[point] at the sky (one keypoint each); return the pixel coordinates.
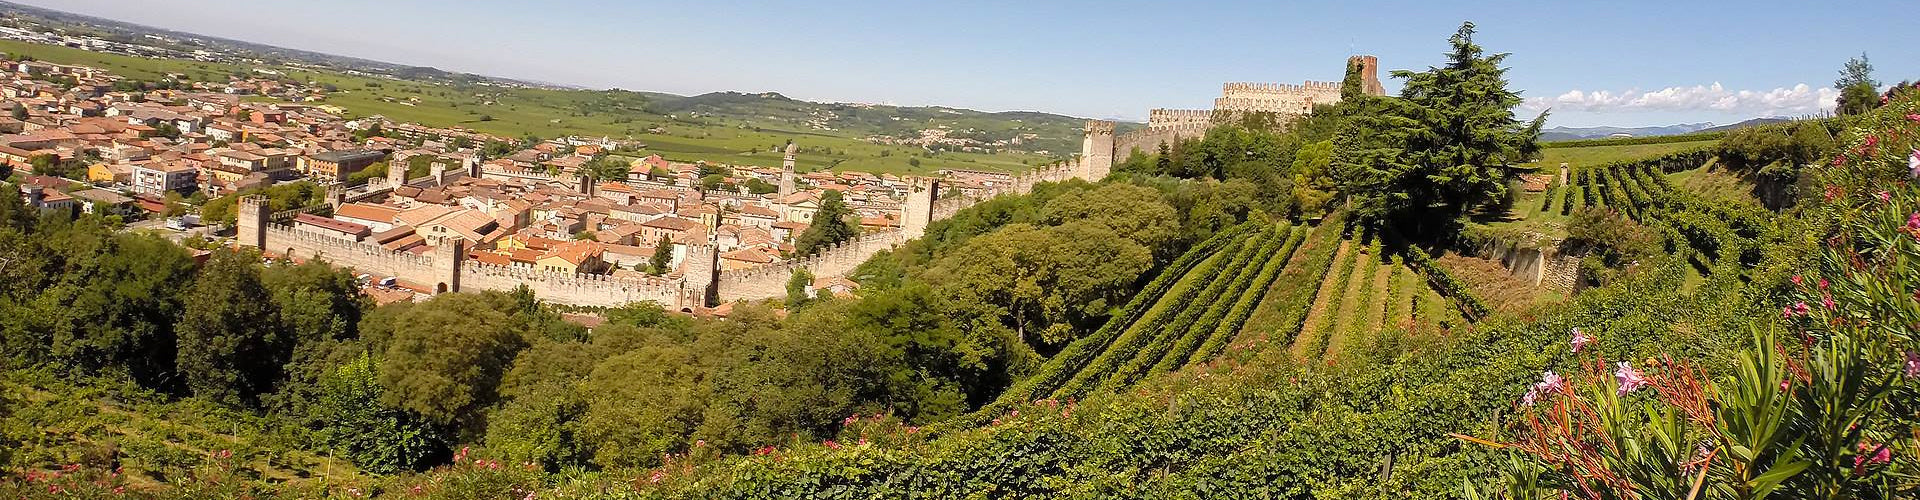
(1622, 63)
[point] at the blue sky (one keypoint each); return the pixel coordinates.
(1633, 62)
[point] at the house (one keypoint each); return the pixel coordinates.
(160, 177)
(580, 256)
(758, 216)
(103, 202)
(330, 227)
(47, 200)
(746, 258)
(837, 285)
(336, 166)
(379, 218)
(787, 231)
(678, 229)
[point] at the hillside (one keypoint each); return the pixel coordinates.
(730, 128)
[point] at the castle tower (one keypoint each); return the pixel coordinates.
(700, 286)
(448, 257)
(1369, 74)
(786, 172)
(336, 196)
(1096, 151)
(251, 222)
(917, 213)
(439, 172)
(471, 165)
(397, 170)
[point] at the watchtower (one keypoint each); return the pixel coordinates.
(1096, 151)
(917, 213)
(448, 256)
(251, 221)
(701, 282)
(786, 172)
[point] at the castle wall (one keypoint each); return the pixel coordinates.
(575, 289)
(768, 282)
(362, 257)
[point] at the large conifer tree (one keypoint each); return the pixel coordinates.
(1442, 148)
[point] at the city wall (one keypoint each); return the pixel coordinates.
(766, 282)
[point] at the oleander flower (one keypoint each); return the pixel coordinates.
(1913, 364)
(1883, 196)
(1913, 163)
(1629, 378)
(1580, 340)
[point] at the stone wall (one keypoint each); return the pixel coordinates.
(362, 257)
(768, 282)
(575, 289)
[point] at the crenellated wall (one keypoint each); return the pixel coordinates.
(575, 289)
(367, 258)
(1148, 141)
(766, 282)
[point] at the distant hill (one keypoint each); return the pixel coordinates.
(1021, 130)
(1572, 133)
(1749, 123)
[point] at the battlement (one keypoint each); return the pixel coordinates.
(496, 171)
(295, 243)
(1095, 127)
(1237, 89)
(1169, 118)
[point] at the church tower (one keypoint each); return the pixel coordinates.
(786, 172)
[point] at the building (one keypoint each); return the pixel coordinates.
(159, 178)
(337, 165)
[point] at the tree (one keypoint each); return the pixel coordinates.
(712, 182)
(361, 427)
(446, 357)
(1042, 283)
(230, 349)
(1440, 150)
(486, 118)
(1859, 92)
(830, 226)
(607, 167)
(797, 286)
(1136, 213)
(757, 186)
(19, 112)
(662, 256)
(1313, 182)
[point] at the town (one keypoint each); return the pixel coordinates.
(82, 140)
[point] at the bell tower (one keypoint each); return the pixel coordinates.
(786, 172)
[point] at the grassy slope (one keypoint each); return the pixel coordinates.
(555, 113)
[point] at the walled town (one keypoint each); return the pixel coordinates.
(530, 213)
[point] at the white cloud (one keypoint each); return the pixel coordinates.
(1796, 100)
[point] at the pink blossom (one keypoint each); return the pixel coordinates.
(699, 443)
(1629, 378)
(1883, 196)
(1797, 280)
(1913, 364)
(1872, 454)
(1786, 384)
(830, 444)
(1580, 340)
(1826, 301)
(1913, 164)
(1548, 384)
(1914, 116)
(1823, 283)
(911, 430)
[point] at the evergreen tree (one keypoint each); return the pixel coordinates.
(1440, 150)
(797, 296)
(662, 256)
(1859, 92)
(230, 347)
(830, 226)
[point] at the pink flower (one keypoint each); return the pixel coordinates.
(699, 443)
(1913, 164)
(1872, 454)
(830, 444)
(1629, 378)
(1823, 283)
(1797, 281)
(1883, 196)
(1913, 221)
(1786, 384)
(1913, 364)
(1548, 384)
(1827, 301)
(1580, 340)
(911, 430)
(1914, 116)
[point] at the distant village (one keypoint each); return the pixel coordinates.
(79, 139)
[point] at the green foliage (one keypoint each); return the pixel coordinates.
(279, 197)
(229, 348)
(377, 438)
(1442, 148)
(797, 285)
(830, 226)
(446, 357)
(1629, 141)
(1859, 92)
(662, 257)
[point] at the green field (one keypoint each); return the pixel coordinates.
(1575, 158)
(554, 113)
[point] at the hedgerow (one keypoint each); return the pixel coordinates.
(1237, 317)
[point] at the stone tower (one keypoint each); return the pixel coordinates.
(397, 170)
(251, 222)
(439, 172)
(336, 196)
(1369, 74)
(917, 213)
(448, 257)
(701, 283)
(786, 172)
(1096, 152)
